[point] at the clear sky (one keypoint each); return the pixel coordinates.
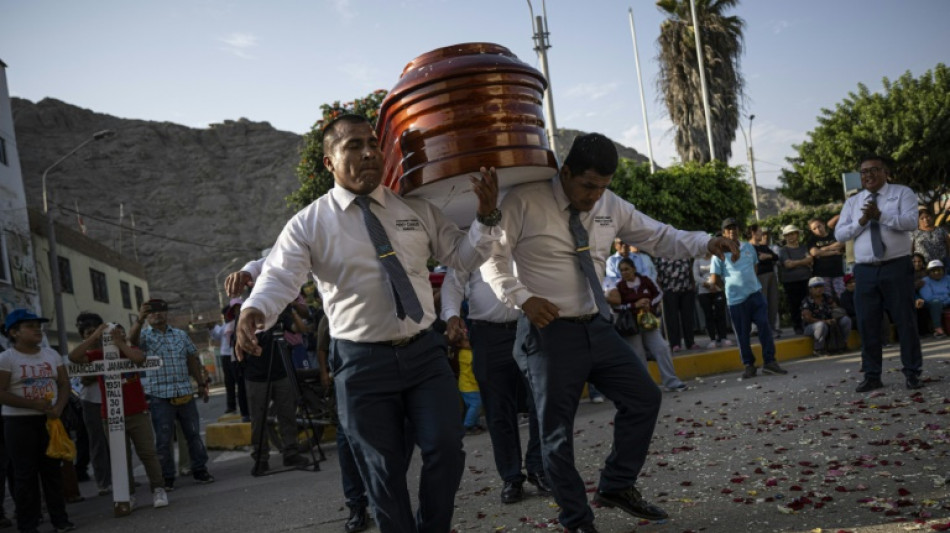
(196, 62)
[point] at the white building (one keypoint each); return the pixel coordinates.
(19, 285)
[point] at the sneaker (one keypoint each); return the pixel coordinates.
(297, 461)
(632, 502)
(159, 498)
(184, 472)
(203, 478)
(749, 372)
(679, 388)
(260, 468)
(726, 342)
(694, 347)
(869, 384)
(169, 484)
(105, 491)
(712, 345)
(777, 334)
(675, 348)
(64, 527)
(597, 399)
(773, 368)
(938, 333)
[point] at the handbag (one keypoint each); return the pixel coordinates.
(60, 446)
(648, 321)
(625, 324)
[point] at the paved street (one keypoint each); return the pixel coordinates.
(774, 453)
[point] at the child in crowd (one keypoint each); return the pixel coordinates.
(138, 424)
(34, 388)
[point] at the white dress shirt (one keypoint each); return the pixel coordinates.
(537, 237)
(482, 302)
(898, 206)
(329, 239)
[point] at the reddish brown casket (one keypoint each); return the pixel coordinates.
(458, 108)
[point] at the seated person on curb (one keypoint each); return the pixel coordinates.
(265, 371)
(935, 295)
(746, 302)
(818, 314)
(138, 424)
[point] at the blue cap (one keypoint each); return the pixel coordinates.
(21, 315)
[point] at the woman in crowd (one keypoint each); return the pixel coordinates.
(713, 303)
(765, 271)
(796, 270)
(34, 388)
(930, 241)
(639, 294)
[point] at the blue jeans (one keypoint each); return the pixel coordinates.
(558, 359)
(753, 310)
(887, 287)
(379, 387)
(164, 415)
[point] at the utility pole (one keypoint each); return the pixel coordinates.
(541, 45)
(643, 102)
(751, 155)
(702, 79)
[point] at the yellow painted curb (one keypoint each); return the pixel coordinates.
(235, 435)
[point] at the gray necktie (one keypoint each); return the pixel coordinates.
(407, 303)
(582, 244)
(877, 243)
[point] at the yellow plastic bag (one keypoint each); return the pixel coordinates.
(60, 446)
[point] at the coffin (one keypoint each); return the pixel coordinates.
(459, 108)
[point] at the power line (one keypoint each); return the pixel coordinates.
(156, 235)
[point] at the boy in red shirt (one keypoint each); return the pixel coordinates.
(138, 424)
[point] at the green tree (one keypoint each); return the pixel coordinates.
(679, 81)
(689, 196)
(315, 179)
(909, 122)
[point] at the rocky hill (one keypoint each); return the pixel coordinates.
(199, 197)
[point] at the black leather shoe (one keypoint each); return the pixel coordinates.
(358, 521)
(589, 528)
(513, 492)
(540, 482)
(260, 468)
(913, 382)
(869, 384)
(632, 502)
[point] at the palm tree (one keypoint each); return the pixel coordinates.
(679, 75)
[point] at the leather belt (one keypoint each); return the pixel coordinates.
(489, 324)
(580, 319)
(406, 341)
(882, 263)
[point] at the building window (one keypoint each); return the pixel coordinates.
(65, 275)
(139, 298)
(3, 151)
(126, 294)
(100, 292)
(5, 276)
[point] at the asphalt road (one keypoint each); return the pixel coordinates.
(801, 453)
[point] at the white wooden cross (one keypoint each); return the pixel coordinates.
(111, 368)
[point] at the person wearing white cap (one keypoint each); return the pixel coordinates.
(935, 294)
(796, 265)
(879, 219)
(830, 333)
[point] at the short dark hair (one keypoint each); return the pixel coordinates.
(330, 136)
(88, 319)
(627, 261)
(592, 151)
(886, 161)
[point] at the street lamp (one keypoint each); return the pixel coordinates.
(217, 281)
(749, 153)
(53, 256)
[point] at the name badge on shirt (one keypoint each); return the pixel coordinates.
(604, 220)
(409, 224)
